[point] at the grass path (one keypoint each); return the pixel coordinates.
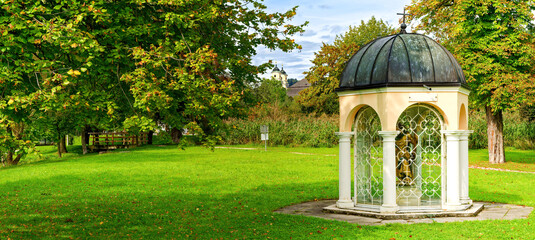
(499, 169)
(502, 169)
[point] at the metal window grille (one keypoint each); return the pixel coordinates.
(368, 159)
(419, 151)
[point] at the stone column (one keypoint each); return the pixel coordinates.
(344, 167)
(389, 171)
(463, 165)
(452, 170)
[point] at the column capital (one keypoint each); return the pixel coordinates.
(342, 135)
(464, 135)
(452, 134)
(388, 135)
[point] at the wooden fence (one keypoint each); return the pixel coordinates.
(115, 140)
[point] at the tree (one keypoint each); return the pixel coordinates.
(292, 81)
(57, 64)
(271, 91)
(69, 66)
(329, 62)
(493, 41)
(197, 72)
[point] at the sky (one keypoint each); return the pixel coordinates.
(327, 18)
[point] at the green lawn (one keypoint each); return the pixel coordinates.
(167, 193)
(520, 160)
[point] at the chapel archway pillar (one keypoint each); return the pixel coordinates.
(464, 167)
(453, 181)
(389, 172)
(344, 170)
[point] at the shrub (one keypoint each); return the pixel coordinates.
(298, 130)
(289, 127)
(518, 131)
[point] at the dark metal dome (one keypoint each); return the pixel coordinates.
(401, 60)
(275, 69)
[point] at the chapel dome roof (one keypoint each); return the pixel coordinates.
(401, 60)
(275, 69)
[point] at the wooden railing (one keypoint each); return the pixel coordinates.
(114, 140)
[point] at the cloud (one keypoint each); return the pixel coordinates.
(309, 33)
(326, 20)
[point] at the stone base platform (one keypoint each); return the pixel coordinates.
(487, 211)
(472, 211)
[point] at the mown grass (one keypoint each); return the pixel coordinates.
(167, 193)
(516, 159)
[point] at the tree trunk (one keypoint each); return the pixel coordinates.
(149, 137)
(12, 161)
(17, 159)
(59, 150)
(495, 136)
(17, 129)
(176, 135)
(9, 158)
(62, 148)
(85, 140)
(63, 145)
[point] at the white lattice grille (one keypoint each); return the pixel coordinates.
(418, 157)
(368, 158)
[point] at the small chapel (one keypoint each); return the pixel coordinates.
(404, 112)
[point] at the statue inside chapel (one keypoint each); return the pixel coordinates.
(405, 157)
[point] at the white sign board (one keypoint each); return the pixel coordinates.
(264, 137)
(423, 97)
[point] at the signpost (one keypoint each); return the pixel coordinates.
(264, 129)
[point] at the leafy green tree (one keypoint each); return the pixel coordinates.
(493, 41)
(69, 66)
(195, 75)
(329, 62)
(292, 81)
(57, 63)
(271, 91)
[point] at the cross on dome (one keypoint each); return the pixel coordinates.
(403, 25)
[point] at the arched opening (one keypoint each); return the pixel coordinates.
(463, 120)
(419, 157)
(368, 161)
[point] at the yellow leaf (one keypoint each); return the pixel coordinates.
(11, 101)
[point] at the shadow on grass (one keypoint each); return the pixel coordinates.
(92, 205)
(49, 154)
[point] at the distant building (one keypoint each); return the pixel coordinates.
(299, 86)
(280, 75)
(294, 89)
